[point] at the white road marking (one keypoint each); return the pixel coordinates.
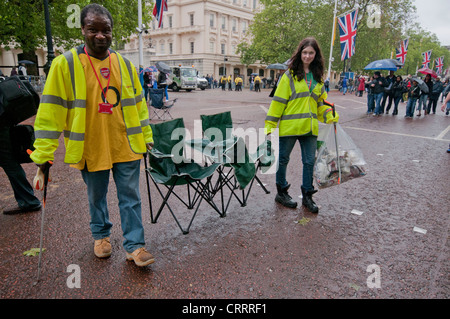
(438, 138)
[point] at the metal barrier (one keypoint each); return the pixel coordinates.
(37, 82)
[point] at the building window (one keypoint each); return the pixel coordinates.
(191, 19)
(211, 20)
(234, 25)
(244, 27)
(170, 22)
(192, 47)
(162, 49)
(222, 48)
(223, 23)
(245, 3)
(211, 47)
(170, 48)
(254, 4)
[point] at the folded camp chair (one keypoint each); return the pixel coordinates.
(239, 168)
(169, 170)
(160, 108)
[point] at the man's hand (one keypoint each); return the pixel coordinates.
(38, 181)
(150, 146)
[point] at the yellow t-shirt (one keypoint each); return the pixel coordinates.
(105, 140)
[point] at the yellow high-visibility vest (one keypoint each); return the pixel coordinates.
(63, 109)
(295, 109)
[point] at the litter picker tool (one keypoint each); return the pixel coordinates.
(335, 139)
(40, 182)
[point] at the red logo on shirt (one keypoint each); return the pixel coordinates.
(104, 72)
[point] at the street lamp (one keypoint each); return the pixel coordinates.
(48, 31)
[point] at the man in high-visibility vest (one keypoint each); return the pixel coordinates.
(238, 81)
(94, 96)
(257, 84)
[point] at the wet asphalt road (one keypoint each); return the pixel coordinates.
(261, 251)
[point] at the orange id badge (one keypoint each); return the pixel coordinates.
(105, 108)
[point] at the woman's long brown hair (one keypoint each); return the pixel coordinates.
(316, 66)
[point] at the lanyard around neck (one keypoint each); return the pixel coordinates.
(98, 80)
(310, 81)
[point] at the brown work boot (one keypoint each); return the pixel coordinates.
(141, 257)
(102, 248)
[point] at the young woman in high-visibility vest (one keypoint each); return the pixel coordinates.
(296, 108)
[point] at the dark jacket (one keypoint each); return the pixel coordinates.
(398, 88)
(430, 87)
(414, 92)
(378, 88)
(437, 89)
(389, 88)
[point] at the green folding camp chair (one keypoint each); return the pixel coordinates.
(170, 168)
(239, 167)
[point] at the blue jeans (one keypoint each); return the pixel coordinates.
(126, 178)
(396, 101)
(308, 146)
(378, 97)
(370, 103)
(411, 106)
(422, 101)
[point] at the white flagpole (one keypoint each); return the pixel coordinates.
(332, 40)
(141, 54)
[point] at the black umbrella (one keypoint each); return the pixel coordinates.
(25, 62)
(161, 66)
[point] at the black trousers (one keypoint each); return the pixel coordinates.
(23, 191)
(432, 103)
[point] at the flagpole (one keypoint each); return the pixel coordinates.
(332, 40)
(141, 55)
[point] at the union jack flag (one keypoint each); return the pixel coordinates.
(347, 31)
(401, 51)
(158, 9)
(439, 64)
(426, 59)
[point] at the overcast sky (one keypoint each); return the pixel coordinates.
(434, 16)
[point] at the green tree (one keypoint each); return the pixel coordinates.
(282, 24)
(22, 23)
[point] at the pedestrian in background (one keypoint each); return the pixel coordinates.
(413, 96)
(238, 82)
(147, 84)
(398, 89)
(229, 82)
(422, 103)
(223, 82)
(434, 95)
(297, 118)
(361, 86)
(388, 93)
(344, 85)
(327, 85)
(377, 85)
(257, 84)
(86, 94)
